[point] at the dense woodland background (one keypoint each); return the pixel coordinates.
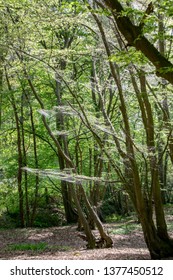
(86, 108)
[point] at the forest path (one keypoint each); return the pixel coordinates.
(62, 243)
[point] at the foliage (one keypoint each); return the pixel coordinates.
(36, 247)
(84, 120)
(28, 246)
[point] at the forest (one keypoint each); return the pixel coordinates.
(86, 131)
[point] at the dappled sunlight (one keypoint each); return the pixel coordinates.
(41, 236)
(64, 243)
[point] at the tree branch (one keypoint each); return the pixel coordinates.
(133, 35)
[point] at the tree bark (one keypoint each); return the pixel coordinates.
(35, 202)
(27, 209)
(20, 156)
(156, 237)
(134, 36)
(70, 213)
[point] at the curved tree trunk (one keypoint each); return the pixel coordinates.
(155, 233)
(106, 240)
(89, 235)
(69, 164)
(158, 246)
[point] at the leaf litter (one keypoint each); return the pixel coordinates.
(64, 243)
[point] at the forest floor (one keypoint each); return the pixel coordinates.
(64, 243)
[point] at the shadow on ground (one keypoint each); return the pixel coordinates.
(64, 243)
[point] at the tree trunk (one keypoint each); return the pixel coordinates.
(106, 241)
(35, 202)
(134, 36)
(20, 157)
(70, 213)
(156, 237)
(27, 210)
(89, 235)
(158, 246)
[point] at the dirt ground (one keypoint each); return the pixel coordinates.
(64, 243)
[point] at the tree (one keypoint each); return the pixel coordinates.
(62, 39)
(95, 114)
(135, 37)
(155, 234)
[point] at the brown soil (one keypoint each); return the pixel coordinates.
(64, 243)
